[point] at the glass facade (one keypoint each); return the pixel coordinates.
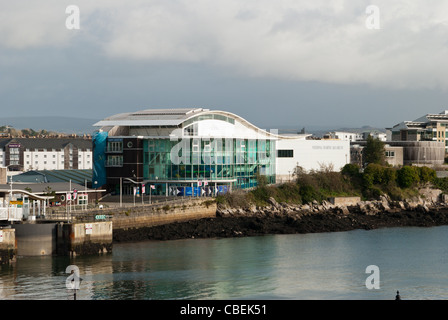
(233, 162)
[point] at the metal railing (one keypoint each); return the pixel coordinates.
(95, 213)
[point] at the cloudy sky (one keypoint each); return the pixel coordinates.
(277, 63)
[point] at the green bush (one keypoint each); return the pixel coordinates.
(308, 194)
(389, 175)
(441, 183)
(376, 173)
(408, 176)
(426, 174)
(260, 195)
(351, 170)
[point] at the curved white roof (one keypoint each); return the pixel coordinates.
(176, 117)
(150, 117)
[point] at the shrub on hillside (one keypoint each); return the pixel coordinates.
(408, 176)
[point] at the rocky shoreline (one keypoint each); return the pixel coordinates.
(281, 218)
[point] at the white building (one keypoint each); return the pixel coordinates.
(382, 136)
(309, 155)
(24, 154)
(343, 135)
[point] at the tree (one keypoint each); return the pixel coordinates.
(408, 176)
(374, 152)
(351, 170)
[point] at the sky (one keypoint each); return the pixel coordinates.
(282, 63)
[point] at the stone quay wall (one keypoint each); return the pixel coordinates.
(162, 213)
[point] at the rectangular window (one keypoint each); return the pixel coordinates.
(115, 161)
(82, 199)
(115, 146)
(285, 153)
(390, 154)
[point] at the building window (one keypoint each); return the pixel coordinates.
(285, 153)
(115, 146)
(115, 161)
(82, 199)
(390, 154)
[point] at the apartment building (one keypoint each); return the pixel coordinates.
(430, 127)
(24, 154)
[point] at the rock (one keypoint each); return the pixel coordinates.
(362, 208)
(400, 205)
(384, 206)
(272, 201)
(422, 208)
(305, 207)
(344, 210)
(252, 209)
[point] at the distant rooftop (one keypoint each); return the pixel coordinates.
(53, 176)
(41, 188)
(48, 143)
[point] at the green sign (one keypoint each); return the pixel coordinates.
(100, 217)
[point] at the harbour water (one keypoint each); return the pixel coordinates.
(299, 266)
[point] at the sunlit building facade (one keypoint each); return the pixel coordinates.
(199, 151)
(184, 151)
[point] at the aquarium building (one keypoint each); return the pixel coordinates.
(196, 151)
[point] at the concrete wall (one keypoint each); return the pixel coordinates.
(8, 247)
(35, 239)
(144, 216)
(87, 238)
(344, 201)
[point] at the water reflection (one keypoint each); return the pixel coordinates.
(312, 266)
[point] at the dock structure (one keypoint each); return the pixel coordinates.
(28, 226)
(8, 248)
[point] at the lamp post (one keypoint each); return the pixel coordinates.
(121, 191)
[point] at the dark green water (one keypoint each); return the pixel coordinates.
(311, 266)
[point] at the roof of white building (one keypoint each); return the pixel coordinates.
(151, 117)
(175, 118)
(47, 143)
